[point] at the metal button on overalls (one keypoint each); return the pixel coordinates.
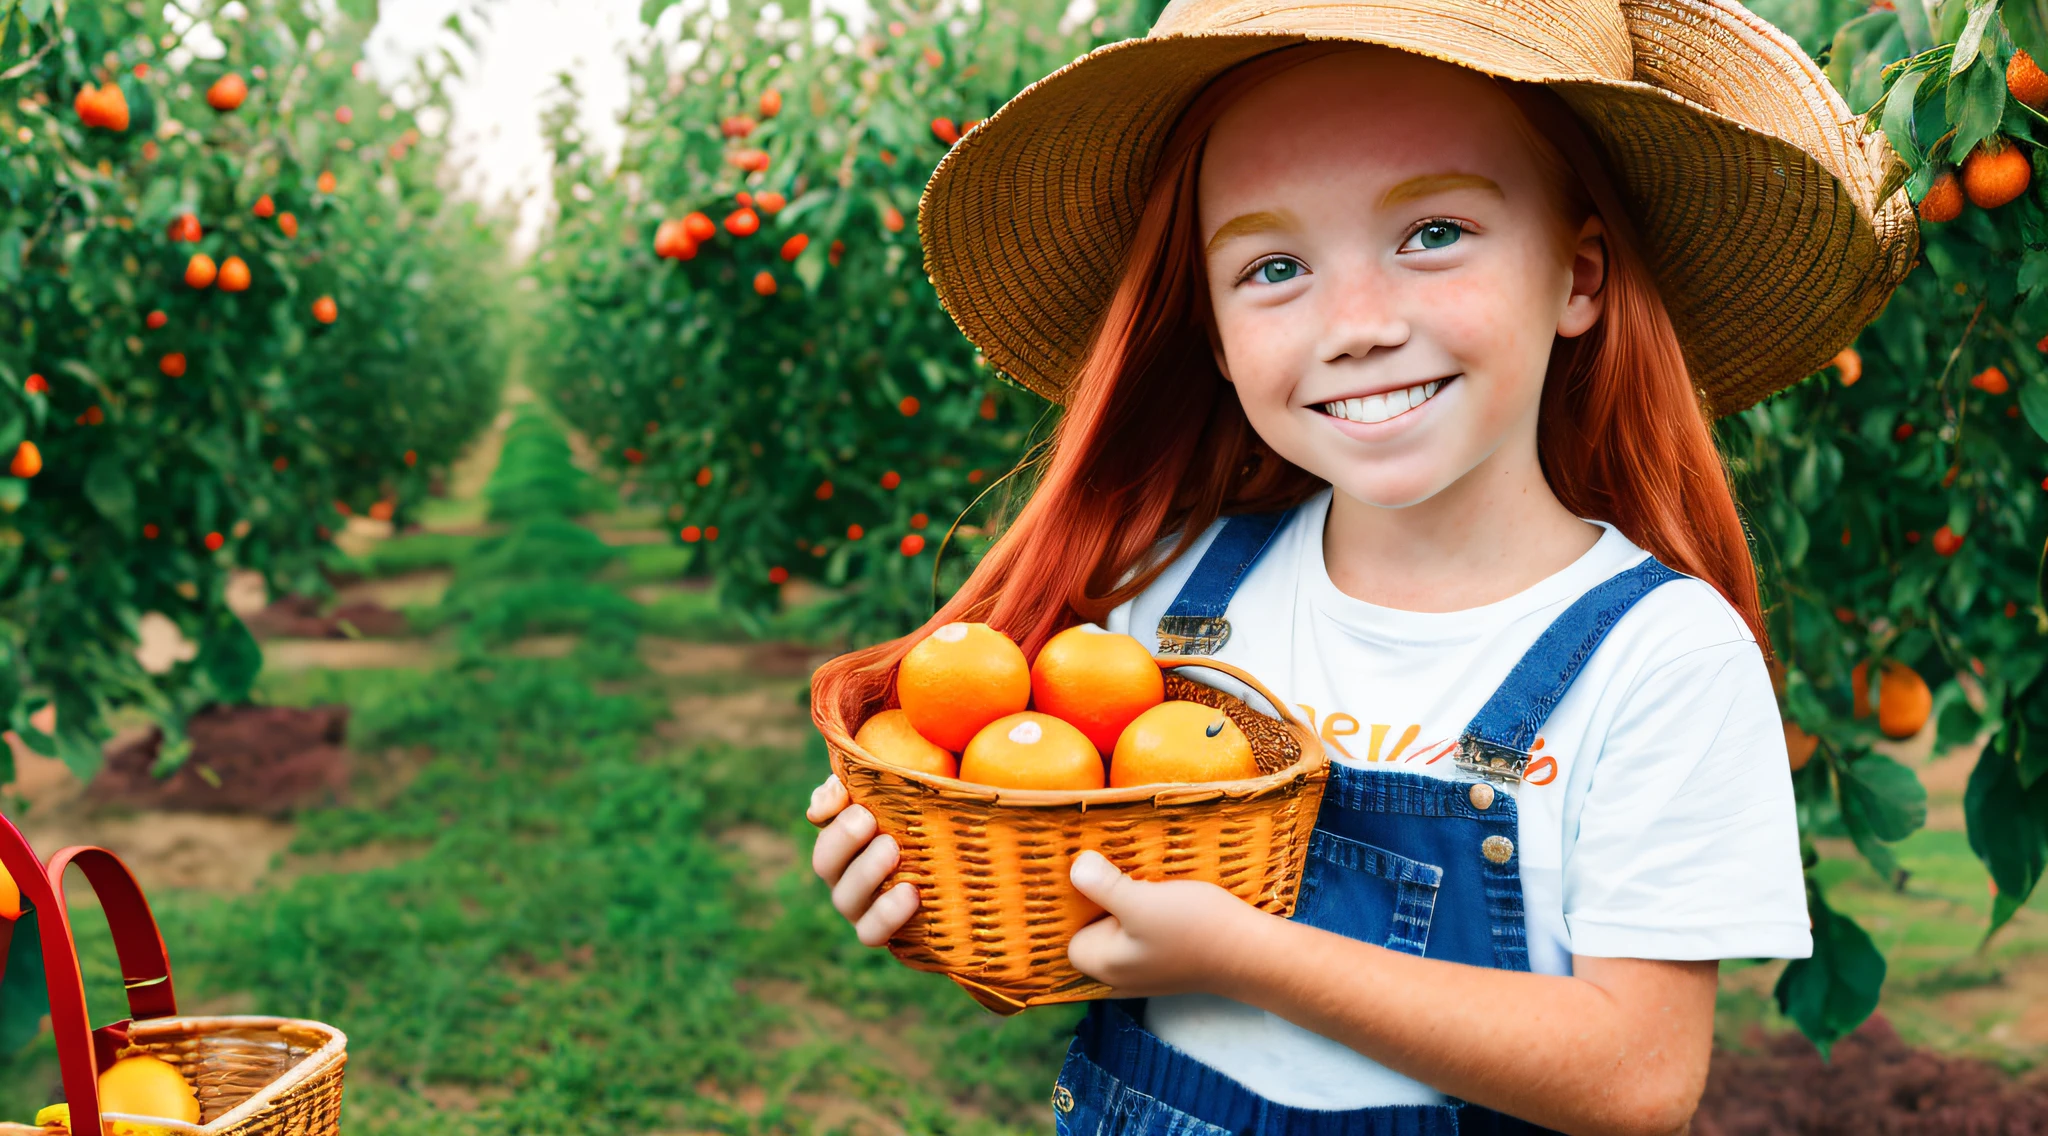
(1498, 849)
(1062, 1099)
(1482, 796)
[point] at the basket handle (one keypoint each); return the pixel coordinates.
(1171, 663)
(136, 940)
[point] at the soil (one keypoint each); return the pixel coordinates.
(299, 617)
(1875, 1085)
(257, 760)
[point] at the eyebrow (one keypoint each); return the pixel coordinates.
(1428, 184)
(1248, 223)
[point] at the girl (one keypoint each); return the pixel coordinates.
(1385, 358)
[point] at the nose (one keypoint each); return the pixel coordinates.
(1362, 315)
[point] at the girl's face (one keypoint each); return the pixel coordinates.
(1388, 270)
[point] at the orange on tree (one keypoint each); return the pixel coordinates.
(1181, 742)
(764, 282)
(911, 545)
(770, 202)
(1944, 200)
(184, 227)
(234, 275)
(325, 310)
(699, 227)
(28, 461)
(1848, 364)
(325, 182)
(1996, 172)
(172, 364)
(771, 103)
(156, 319)
(148, 1085)
(105, 107)
(265, 207)
(671, 242)
(36, 384)
(890, 737)
(944, 130)
(1097, 680)
(2025, 79)
(1947, 541)
(200, 271)
(288, 225)
(1991, 380)
(960, 678)
(227, 92)
(743, 222)
(1799, 745)
(892, 218)
(1030, 750)
(1903, 699)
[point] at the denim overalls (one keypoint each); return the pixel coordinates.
(1420, 864)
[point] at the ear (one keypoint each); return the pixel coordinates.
(1589, 278)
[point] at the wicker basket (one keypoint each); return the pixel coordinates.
(254, 1076)
(990, 865)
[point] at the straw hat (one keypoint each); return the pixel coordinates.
(1775, 226)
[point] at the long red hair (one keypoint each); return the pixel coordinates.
(1154, 443)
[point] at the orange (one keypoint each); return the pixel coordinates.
(771, 202)
(28, 461)
(10, 896)
(672, 242)
(1947, 541)
(1849, 363)
(890, 736)
(944, 130)
(172, 365)
(794, 246)
(227, 92)
(743, 222)
(1944, 200)
(265, 207)
(1031, 751)
(1180, 742)
(325, 311)
(892, 218)
(200, 271)
(148, 1086)
(288, 224)
(699, 227)
(2024, 78)
(1991, 380)
(234, 275)
(1799, 746)
(1903, 700)
(1097, 680)
(911, 545)
(764, 282)
(960, 678)
(156, 319)
(325, 182)
(771, 103)
(1995, 172)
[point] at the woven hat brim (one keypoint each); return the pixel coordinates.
(1755, 192)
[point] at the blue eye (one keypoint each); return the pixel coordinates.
(1279, 270)
(1438, 234)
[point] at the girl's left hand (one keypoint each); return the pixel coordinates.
(1172, 937)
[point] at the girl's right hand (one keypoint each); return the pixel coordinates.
(853, 862)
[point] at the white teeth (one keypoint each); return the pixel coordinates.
(1380, 407)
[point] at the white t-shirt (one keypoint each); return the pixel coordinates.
(1663, 829)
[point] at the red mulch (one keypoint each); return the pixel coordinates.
(1876, 1085)
(266, 760)
(299, 617)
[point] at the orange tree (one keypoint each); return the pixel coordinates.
(739, 316)
(233, 300)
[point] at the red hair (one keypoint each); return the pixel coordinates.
(1154, 443)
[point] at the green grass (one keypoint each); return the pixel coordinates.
(567, 938)
(415, 552)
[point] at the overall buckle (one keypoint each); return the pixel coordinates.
(1192, 634)
(1492, 761)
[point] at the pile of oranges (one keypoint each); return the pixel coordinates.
(972, 708)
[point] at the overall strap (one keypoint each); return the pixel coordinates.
(1195, 625)
(1496, 743)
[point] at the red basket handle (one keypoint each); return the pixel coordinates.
(145, 966)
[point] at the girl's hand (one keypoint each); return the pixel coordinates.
(1171, 937)
(853, 862)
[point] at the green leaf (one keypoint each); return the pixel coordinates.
(1976, 106)
(1958, 724)
(231, 658)
(111, 491)
(2027, 22)
(1831, 993)
(24, 992)
(1884, 795)
(1897, 122)
(1971, 39)
(2007, 821)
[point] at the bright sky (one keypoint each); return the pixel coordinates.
(521, 46)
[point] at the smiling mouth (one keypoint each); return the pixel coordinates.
(1380, 407)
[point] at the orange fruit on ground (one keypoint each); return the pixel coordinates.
(227, 92)
(1031, 751)
(325, 311)
(1096, 680)
(1903, 700)
(890, 737)
(200, 271)
(1181, 742)
(1944, 200)
(28, 460)
(148, 1086)
(1799, 746)
(1995, 172)
(960, 678)
(2025, 79)
(234, 275)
